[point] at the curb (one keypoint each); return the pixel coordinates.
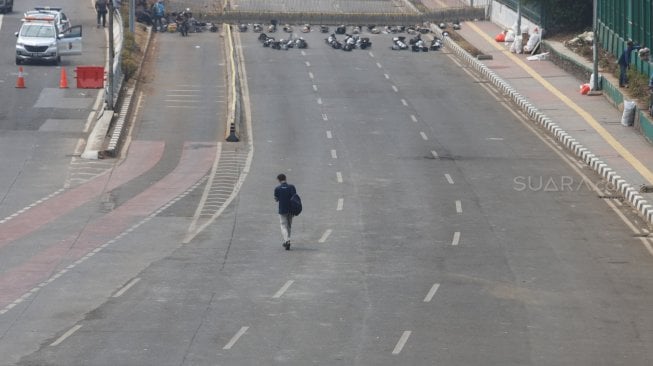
(630, 194)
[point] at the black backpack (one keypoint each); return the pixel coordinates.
(295, 205)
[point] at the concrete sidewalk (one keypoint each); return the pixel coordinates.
(620, 154)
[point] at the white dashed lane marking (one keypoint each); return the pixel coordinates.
(126, 287)
(325, 236)
(395, 89)
(371, 54)
(459, 206)
(329, 135)
(379, 65)
(334, 154)
(65, 335)
(283, 289)
(325, 117)
(403, 101)
(449, 179)
(435, 154)
(431, 293)
(310, 75)
(235, 338)
(319, 101)
(402, 342)
(413, 118)
(303, 53)
(456, 238)
(386, 76)
(341, 202)
(424, 136)
(339, 177)
(314, 87)
(308, 64)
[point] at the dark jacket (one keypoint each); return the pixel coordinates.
(282, 194)
(624, 59)
(101, 6)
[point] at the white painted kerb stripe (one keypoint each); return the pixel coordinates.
(65, 335)
(127, 287)
(235, 338)
(432, 292)
(456, 238)
(283, 289)
(325, 236)
(402, 342)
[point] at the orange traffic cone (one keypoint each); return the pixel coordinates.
(63, 81)
(20, 82)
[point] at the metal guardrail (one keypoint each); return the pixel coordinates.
(117, 69)
(448, 14)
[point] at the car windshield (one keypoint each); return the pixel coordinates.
(37, 30)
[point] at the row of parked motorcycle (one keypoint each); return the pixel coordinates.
(416, 44)
(341, 29)
(282, 44)
(349, 43)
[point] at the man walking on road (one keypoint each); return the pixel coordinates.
(101, 7)
(282, 194)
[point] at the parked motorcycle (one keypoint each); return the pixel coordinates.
(398, 44)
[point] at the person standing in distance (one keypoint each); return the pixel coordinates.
(282, 194)
(158, 12)
(624, 62)
(101, 7)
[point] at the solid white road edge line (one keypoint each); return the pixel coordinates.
(65, 335)
(283, 289)
(235, 338)
(325, 236)
(431, 293)
(401, 343)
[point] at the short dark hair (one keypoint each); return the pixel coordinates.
(281, 177)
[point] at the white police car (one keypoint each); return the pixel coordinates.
(41, 39)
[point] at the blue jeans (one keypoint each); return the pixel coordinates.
(623, 75)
